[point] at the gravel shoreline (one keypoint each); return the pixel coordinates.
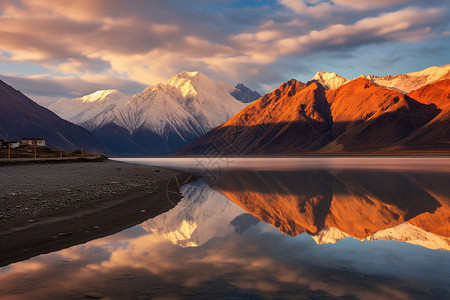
(47, 207)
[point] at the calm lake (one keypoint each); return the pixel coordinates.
(264, 228)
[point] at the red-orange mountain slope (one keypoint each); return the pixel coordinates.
(358, 117)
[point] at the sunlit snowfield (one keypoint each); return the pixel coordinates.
(295, 228)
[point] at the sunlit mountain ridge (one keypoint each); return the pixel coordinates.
(359, 116)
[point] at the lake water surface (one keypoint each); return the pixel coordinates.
(258, 228)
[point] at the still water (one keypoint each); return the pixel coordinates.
(284, 228)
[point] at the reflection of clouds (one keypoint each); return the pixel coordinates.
(261, 262)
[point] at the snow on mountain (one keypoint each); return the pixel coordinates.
(176, 113)
(209, 102)
(203, 214)
(84, 109)
(330, 81)
(409, 82)
(404, 83)
(190, 101)
(158, 109)
(160, 120)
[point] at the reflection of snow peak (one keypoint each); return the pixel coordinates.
(203, 214)
(408, 233)
(404, 232)
(181, 236)
(329, 235)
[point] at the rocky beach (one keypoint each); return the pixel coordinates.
(46, 207)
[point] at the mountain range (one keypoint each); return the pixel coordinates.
(330, 114)
(21, 117)
(404, 83)
(334, 115)
(162, 118)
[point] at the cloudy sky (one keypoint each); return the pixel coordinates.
(63, 48)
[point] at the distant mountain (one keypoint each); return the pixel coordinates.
(244, 94)
(21, 117)
(85, 110)
(158, 121)
(359, 116)
(406, 83)
(330, 81)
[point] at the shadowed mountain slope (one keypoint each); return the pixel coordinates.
(21, 117)
(435, 134)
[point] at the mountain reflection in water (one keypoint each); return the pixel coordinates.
(331, 205)
(247, 235)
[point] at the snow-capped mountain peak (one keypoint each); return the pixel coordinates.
(433, 73)
(161, 119)
(409, 82)
(83, 109)
(330, 81)
(193, 99)
(208, 101)
(188, 82)
(103, 95)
